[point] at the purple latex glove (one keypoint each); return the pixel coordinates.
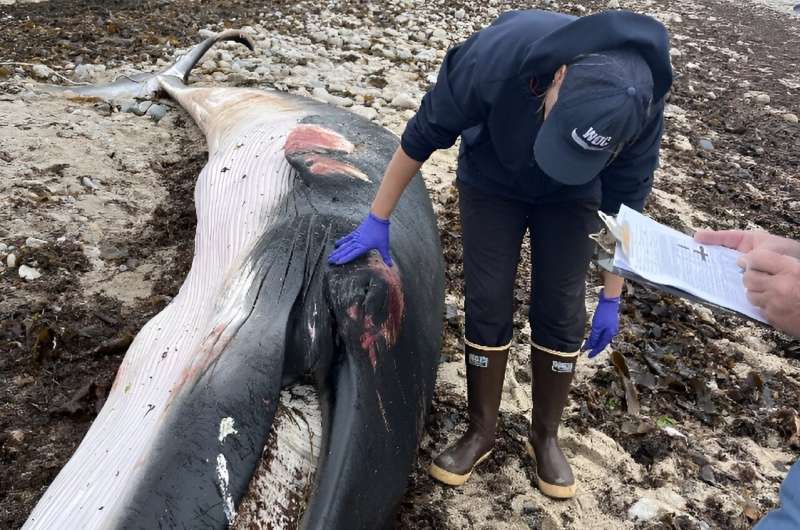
(372, 233)
(605, 325)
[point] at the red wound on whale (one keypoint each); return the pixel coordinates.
(307, 138)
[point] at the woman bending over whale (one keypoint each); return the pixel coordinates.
(558, 116)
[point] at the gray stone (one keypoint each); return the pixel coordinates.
(764, 99)
(789, 117)
(84, 72)
(128, 105)
(367, 112)
(439, 33)
(41, 71)
(705, 144)
(28, 273)
(460, 14)
(645, 509)
(156, 112)
(681, 143)
(403, 101)
(35, 242)
(89, 183)
(3, 247)
(142, 107)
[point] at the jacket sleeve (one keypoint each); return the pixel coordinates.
(451, 106)
(629, 178)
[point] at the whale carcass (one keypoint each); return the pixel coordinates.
(273, 391)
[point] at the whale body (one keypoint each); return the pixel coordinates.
(274, 391)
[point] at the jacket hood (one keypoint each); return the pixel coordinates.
(597, 33)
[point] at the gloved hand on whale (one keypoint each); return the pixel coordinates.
(372, 233)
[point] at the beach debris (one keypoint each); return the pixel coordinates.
(29, 273)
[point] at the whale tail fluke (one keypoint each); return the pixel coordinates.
(146, 85)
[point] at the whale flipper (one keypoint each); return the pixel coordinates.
(219, 420)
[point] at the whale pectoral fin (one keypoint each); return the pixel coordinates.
(217, 424)
(376, 412)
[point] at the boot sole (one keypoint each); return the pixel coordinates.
(551, 490)
(454, 479)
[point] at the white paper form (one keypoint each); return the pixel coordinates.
(663, 255)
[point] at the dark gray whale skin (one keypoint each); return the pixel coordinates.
(372, 356)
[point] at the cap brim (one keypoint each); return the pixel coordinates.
(564, 160)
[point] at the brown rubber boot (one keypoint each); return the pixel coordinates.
(485, 373)
(552, 377)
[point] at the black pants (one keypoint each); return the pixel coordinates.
(492, 232)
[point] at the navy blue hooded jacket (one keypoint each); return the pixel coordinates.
(490, 90)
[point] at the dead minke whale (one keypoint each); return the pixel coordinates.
(273, 391)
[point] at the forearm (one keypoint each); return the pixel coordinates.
(399, 172)
(612, 284)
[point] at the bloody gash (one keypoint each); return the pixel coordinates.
(274, 391)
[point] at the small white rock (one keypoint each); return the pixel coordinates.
(11, 261)
(84, 72)
(791, 118)
(29, 273)
(41, 71)
(675, 52)
(367, 112)
(439, 33)
(613, 4)
(89, 183)
(460, 14)
(35, 242)
(403, 101)
(764, 99)
(645, 509)
(3, 247)
(681, 143)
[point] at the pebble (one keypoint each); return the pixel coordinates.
(3, 247)
(613, 4)
(675, 52)
(29, 273)
(142, 107)
(439, 33)
(791, 118)
(367, 112)
(88, 72)
(17, 435)
(41, 71)
(129, 105)
(89, 183)
(403, 101)
(35, 242)
(645, 509)
(681, 143)
(460, 14)
(711, 95)
(156, 112)
(764, 99)
(706, 144)
(11, 261)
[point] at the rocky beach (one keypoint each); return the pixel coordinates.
(691, 422)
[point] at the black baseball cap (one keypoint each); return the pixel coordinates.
(602, 105)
